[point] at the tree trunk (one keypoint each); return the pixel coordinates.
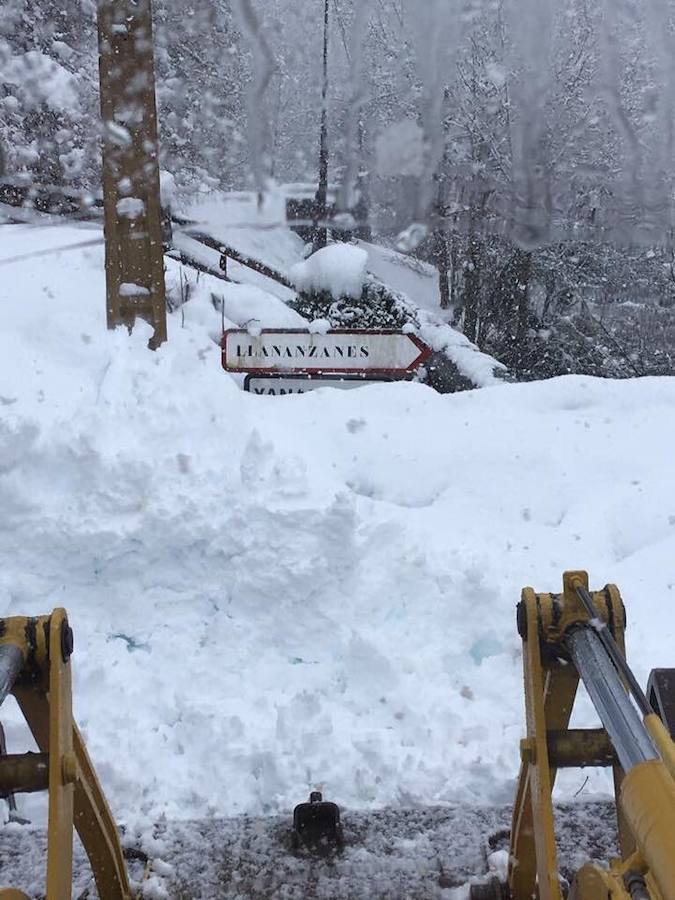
(454, 270)
(363, 231)
(522, 271)
(472, 289)
(442, 263)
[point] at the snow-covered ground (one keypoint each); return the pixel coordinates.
(406, 274)
(427, 853)
(275, 594)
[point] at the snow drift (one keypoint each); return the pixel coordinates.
(276, 594)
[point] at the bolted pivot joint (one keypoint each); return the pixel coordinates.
(521, 619)
(67, 642)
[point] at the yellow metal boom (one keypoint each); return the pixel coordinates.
(35, 666)
(567, 636)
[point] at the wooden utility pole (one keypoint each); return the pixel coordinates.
(134, 260)
(321, 228)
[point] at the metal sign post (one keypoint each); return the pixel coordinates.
(134, 261)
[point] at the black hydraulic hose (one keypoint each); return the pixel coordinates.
(11, 663)
(615, 655)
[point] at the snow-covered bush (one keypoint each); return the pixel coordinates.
(376, 307)
(333, 284)
(338, 270)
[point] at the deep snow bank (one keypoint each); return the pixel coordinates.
(272, 594)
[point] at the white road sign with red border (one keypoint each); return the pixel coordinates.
(339, 350)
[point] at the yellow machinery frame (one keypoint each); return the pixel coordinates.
(43, 692)
(645, 796)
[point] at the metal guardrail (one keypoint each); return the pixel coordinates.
(55, 200)
(230, 253)
(50, 199)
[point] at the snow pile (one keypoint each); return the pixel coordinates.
(339, 270)
(480, 368)
(275, 594)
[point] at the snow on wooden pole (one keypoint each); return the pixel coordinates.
(133, 239)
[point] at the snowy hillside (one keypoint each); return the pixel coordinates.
(274, 594)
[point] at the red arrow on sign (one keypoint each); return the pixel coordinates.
(340, 350)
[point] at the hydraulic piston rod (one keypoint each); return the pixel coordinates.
(621, 719)
(648, 791)
(572, 636)
(11, 662)
(658, 731)
(609, 644)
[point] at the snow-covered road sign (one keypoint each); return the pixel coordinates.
(340, 350)
(277, 385)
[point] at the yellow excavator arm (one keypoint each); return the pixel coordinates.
(567, 637)
(573, 636)
(35, 666)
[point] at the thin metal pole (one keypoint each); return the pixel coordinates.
(321, 229)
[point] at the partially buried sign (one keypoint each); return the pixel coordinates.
(278, 385)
